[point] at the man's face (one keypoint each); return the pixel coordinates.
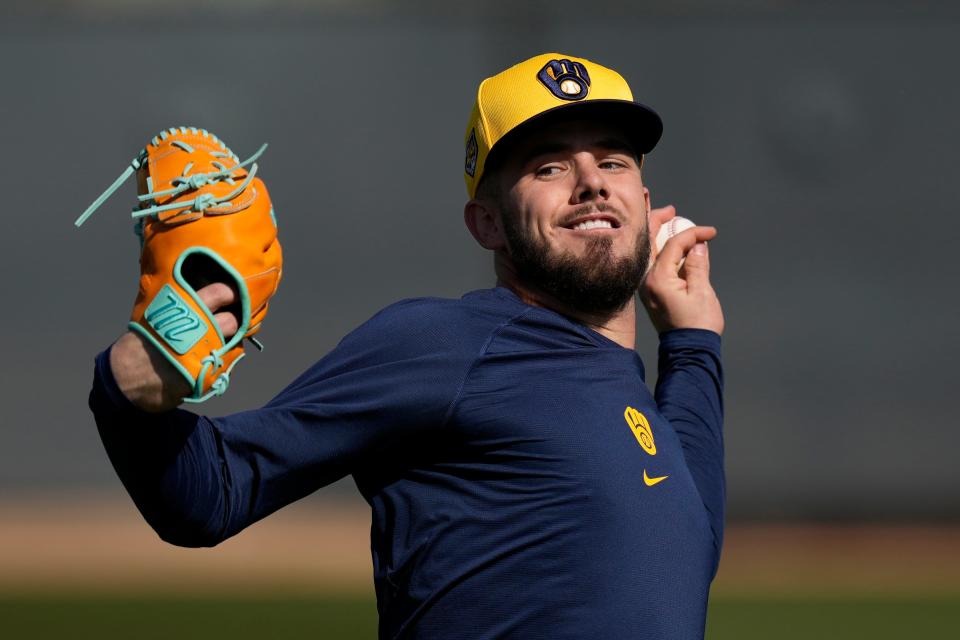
(574, 212)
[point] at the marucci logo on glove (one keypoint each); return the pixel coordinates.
(173, 320)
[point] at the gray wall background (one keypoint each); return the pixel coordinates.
(821, 142)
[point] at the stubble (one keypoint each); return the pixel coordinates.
(596, 282)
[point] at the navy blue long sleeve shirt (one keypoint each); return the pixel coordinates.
(523, 480)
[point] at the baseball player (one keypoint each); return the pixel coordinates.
(523, 480)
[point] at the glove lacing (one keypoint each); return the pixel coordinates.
(185, 182)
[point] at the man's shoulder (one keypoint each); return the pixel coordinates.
(487, 320)
(483, 306)
(446, 324)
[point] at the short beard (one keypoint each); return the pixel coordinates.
(596, 283)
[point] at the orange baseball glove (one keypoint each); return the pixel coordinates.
(203, 217)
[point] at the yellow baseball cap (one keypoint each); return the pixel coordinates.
(543, 85)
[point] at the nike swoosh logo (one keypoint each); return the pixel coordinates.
(647, 480)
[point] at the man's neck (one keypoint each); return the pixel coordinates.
(619, 326)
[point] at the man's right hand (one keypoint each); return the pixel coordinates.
(680, 296)
(145, 376)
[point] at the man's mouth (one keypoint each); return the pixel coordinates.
(591, 222)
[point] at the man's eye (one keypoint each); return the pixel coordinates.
(548, 170)
(612, 164)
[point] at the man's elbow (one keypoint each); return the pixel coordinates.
(185, 532)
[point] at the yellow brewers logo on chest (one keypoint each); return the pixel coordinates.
(640, 427)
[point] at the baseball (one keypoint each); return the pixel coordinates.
(570, 87)
(670, 228)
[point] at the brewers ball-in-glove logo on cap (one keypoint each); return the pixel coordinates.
(566, 79)
(202, 216)
(542, 86)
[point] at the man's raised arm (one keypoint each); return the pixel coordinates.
(686, 312)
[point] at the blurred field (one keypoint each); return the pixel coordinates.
(332, 617)
(90, 568)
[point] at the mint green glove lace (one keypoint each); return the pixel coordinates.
(186, 182)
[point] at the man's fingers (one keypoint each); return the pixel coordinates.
(217, 296)
(227, 322)
(679, 246)
(661, 215)
(696, 268)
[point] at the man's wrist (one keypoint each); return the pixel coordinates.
(144, 376)
(687, 337)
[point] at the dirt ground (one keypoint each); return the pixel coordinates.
(100, 544)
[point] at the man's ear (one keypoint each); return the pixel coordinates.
(483, 220)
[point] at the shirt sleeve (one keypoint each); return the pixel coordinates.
(200, 480)
(689, 394)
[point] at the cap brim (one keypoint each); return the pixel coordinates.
(640, 123)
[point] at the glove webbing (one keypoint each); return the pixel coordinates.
(186, 182)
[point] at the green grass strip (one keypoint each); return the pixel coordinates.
(835, 618)
(195, 618)
(163, 618)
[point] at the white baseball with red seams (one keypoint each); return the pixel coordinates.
(670, 228)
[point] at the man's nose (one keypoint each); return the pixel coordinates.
(591, 183)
